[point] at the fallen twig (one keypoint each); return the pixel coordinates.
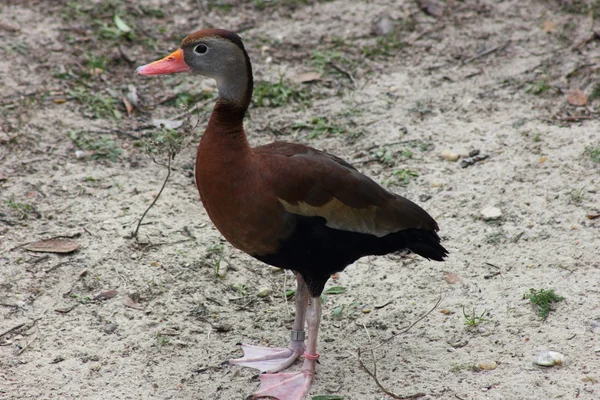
(135, 233)
(404, 330)
(486, 52)
(343, 71)
(27, 345)
(14, 328)
(373, 374)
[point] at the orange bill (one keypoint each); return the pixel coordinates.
(171, 64)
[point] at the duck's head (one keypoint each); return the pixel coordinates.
(214, 53)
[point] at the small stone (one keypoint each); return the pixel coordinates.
(491, 213)
(383, 26)
(264, 292)
(486, 365)
(449, 155)
(366, 310)
(549, 358)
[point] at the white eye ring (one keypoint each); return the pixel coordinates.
(201, 48)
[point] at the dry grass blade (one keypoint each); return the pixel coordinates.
(404, 330)
(137, 228)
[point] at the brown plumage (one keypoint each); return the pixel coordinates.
(287, 204)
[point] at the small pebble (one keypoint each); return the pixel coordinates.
(449, 155)
(383, 26)
(549, 358)
(486, 365)
(264, 292)
(491, 213)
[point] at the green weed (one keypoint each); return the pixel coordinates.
(162, 340)
(267, 94)
(576, 196)
(326, 61)
(100, 106)
(23, 209)
(319, 126)
(99, 146)
(83, 299)
(473, 319)
(594, 153)
(404, 176)
(538, 88)
(385, 46)
(544, 300)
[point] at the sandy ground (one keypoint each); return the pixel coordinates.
(150, 317)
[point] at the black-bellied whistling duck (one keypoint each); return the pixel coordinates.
(288, 205)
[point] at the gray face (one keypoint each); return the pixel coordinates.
(222, 60)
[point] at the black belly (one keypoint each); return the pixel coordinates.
(317, 251)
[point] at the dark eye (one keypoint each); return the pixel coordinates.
(201, 49)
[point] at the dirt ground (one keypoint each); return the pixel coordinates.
(393, 84)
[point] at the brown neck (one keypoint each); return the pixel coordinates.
(225, 129)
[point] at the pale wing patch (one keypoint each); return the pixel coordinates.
(342, 217)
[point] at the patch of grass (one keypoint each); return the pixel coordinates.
(576, 196)
(100, 147)
(17, 47)
(99, 105)
(544, 300)
(96, 61)
(421, 109)
(537, 137)
(216, 249)
(594, 153)
(345, 310)
(23, 209)
(83, 299)
(583, 7)
(267, 94)
(164, 140)
(187, 99)
(404, 176)
(384, 155)
(325, 60)
(263, 4)
(595, 92)
(495, 238)
(385, 46)
(320, 126)
(162, 340)
(473, 319)
(241, 289)
(538, 88)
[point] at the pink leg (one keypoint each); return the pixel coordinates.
(295, 386)
(276, 359)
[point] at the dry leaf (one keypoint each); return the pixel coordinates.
(128, 105)
(307, 77)
(65, 310)
(577, 98)
(129, 302)
(592, 216)
(109, 294)
(451, 278)
(445, 311)
(432, 7)
(548, 26)
(542, 160)
(53, 246)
